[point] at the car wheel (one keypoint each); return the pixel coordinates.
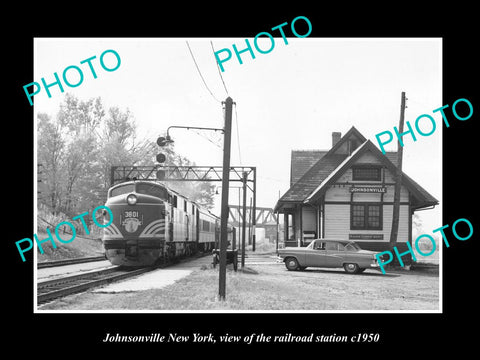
(291, 263)
(351, 268)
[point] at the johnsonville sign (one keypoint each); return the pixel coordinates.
(368, 189)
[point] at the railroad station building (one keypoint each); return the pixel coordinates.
(347, 193)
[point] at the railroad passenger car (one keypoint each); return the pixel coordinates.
(154, 224)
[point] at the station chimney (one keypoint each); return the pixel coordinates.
(336, 136)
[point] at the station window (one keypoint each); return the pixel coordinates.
(185, 205)
(366, 173)
(366, 217)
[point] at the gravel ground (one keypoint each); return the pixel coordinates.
(267, 286)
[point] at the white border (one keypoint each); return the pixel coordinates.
(35, 257)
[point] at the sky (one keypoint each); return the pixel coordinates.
(291, 98)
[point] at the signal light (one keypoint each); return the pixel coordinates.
(162, 141)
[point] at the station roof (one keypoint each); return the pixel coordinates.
(302, 161)
(307, 185)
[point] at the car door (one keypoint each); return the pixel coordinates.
(334, 253)
(315, 256)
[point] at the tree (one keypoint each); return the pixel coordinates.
(51, 146)
(117, 143)
(79, 122)
(80, 167)
(119, 127)
(78, 148)
(80, 116)
(204, 194)
(417, 226)
(201, 192)
(424, 243)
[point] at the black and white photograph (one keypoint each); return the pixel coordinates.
(132, 137)
(216, 182)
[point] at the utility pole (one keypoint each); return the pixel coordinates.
(398, 179)
(239, 216)
(254, 216)
(244, 223)
(250, 223)
(278, 227)
(225, 190)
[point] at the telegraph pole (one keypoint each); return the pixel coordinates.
(254, 216)
(244, 222)
(398, 179)
(225, 190)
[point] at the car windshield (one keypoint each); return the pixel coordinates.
(351, 246)
(310, 246)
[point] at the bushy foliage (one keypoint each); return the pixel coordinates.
(77, 147)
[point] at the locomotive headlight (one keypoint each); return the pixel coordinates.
(131, 199)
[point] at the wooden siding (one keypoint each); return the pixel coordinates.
(309, 220)
(341, 192)
(337, 223)
(338, 200)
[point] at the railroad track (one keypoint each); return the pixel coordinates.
(51, 289)
(60, 287)
(63, 262)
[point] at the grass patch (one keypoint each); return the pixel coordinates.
(271, 287)
(245, 290)
(80, 247)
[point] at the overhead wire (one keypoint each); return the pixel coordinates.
(206, 86)
(218, 68)
(236, 114)
(200, 73)
(211, 93)
(238, 135)
(208, 139)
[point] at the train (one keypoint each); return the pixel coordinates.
(153, 224)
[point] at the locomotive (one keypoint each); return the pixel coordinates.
(153, 224)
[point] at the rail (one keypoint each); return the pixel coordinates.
(51, 289)
(67, 285)
(64, 262)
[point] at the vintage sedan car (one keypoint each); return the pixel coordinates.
(329, 254)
